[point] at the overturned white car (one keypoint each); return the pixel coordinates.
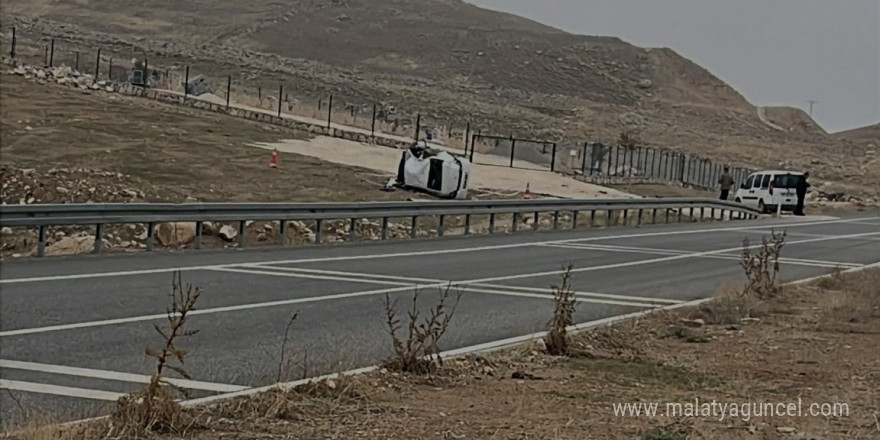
(434, 171)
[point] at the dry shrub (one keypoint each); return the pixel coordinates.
(728, 306)
(857, 299)
(155, 409)
(762, 269)
(557, 340)
(419, 353)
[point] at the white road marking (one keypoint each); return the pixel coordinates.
(655, 260)
(650, 251)
(507, 292)
(805, 234)
(56, 390)
(289, 273)
(412, 254)
(116, 376)
(389, 290)
(351, 276)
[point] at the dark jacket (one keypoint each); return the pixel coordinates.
(802, 186)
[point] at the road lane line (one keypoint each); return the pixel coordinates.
(655, 260)
(650, 251)
(415, 253)
(506, 292)
(292, 274)
(116, 376)
(353, 276)
(392, 290)
(40, 388)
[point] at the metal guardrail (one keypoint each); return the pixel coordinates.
(43, 216)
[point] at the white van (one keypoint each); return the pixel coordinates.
(765, 190)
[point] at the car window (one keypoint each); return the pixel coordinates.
(787, 181)
(766, 182)
(748, 183)
(757, 181)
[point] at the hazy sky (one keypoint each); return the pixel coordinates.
(775, 52)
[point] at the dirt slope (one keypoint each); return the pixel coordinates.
(867, 133)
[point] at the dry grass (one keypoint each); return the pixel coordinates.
(155, 408)
(557, 339)
(762, 269)
(419, 352)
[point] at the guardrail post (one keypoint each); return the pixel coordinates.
(555, 220)
(515, 225)
(197, 243)
(702, 213)
(535, 224)
(654, 216)
(384, 228)
(592, 218)
(625, 215)
(41, 241)
(712, 212)
(282, 232)
(414, 229)
(99, 238)
(352, 230)
(680, 210)
(491, 222)
(691, 214)
(667, 215)
(242, 228)
(441, 224)
(150, 240)
(319, 229)
(608, 218)
(574, 219)
(467, 224)
(639, 222)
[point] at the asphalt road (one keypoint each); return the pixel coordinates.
(73, 330)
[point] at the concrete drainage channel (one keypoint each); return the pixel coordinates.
(589, 213)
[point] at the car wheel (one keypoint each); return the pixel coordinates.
(762, 207)
(738, 200)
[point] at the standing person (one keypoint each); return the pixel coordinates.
(726, 182)
(801, 191)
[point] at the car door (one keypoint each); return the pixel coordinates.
(764, 190)
(743, 193)
(753, 190)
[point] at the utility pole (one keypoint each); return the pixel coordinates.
(811, 102)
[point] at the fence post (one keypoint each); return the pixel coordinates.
(76, 67)
(12, 50)
(52, 53)
(185, 83)
(584, 161)
(373, 124)
(418, 126)
(98, 64)
(473, 146)
(512, 149)
(146, 72)
(329, 113)
(228, 90)
(280, 95)
(553, 159)
(110, 69)
(45, 56)
(467, 135)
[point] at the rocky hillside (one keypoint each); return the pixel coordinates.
(445, 59)
(870, 133)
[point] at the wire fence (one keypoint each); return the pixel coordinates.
(589, 159)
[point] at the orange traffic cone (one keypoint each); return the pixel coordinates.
(273, 162)
(528, 193)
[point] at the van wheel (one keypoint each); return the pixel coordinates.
(738, 200)
(762, 207)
